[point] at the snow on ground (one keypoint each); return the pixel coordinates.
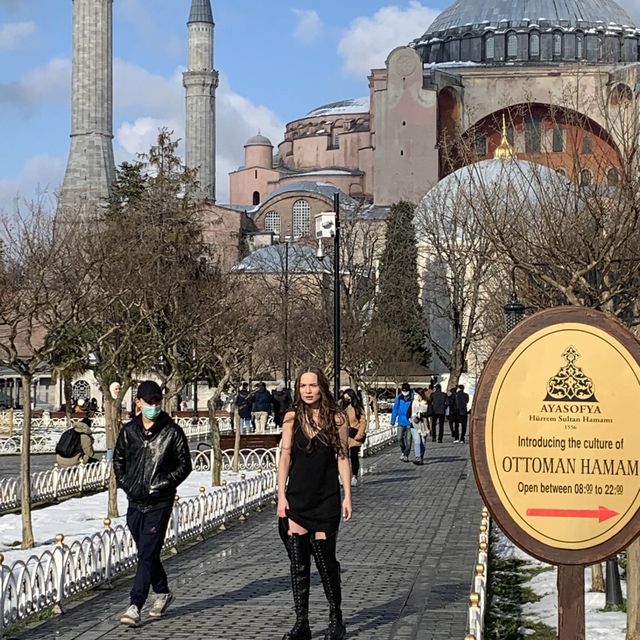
(78, 518)
(600, 625)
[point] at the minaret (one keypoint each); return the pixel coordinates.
(200, 81)
(91, 167)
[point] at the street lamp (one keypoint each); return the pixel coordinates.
(514, 309)
(328, 226)
(287, 373)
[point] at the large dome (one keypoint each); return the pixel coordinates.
(565, 13)
(531, 31)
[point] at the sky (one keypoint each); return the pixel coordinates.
(277, 60)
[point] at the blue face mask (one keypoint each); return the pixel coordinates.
(151, 413)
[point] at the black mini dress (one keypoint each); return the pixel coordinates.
(313, 490)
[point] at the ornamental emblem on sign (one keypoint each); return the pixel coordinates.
(570, 384)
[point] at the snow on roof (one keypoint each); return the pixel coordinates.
(354, 105)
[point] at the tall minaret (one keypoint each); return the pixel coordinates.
(91, 167)
(200, 81)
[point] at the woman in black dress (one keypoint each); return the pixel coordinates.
(313, 451)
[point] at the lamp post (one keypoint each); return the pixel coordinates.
(287, 375)
(336, 297)
(513, 309)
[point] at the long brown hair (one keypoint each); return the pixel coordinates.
(326, 427)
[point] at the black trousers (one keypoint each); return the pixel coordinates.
(355, 460)
(462, 421)
(439, 420)
(148, 530)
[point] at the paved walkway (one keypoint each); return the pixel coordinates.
(407, 559)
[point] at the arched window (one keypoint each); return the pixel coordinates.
(613, 177)
(256, 198)
(534, 45)
(512, 45)
(557, 45)
(465, 47)
(301, 218)
(561, 172)
(579, 46)
(587, 147)
(489, 47)
(558, 140)
(272, 222)
(585, 178)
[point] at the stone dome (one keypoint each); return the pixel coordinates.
(567, 13)
(258, 140)
(540, 31)
(496, 179)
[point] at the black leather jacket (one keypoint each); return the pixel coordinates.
(149, 465)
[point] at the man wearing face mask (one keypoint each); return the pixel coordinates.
(150, 460)
(401, 414)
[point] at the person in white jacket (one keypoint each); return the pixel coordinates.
(419, 425)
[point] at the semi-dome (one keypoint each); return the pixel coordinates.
(258, 139)
(521, 31)
(504, 180)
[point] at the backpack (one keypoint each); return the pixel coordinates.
(69, 444)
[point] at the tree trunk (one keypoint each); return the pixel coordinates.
(633, 590)
(112, 428)
(236, 443)
(25, 465)
(68, 395)
(597, 578)
(170, 400)
(216, 451)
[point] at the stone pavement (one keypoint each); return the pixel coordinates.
(407, 557)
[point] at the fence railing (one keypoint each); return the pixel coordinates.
(58, 482)
(478, 596)
(47, 580)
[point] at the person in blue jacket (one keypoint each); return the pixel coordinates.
(401, 414)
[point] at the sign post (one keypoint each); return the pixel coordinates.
(556, 448)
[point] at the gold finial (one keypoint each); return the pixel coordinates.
(504, 151)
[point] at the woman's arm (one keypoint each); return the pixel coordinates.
(286, 443)
(344, 466)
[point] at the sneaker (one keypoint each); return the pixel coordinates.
(131, 617)
(418, 462)
(456, 440)
(404, 458)
(354, 481)
(161, 604)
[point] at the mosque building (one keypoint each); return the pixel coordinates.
(553, 68)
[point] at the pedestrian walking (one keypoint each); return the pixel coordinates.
(452, 414)
(439, 406)
(313, 453)
(351, 404)
(281, 400)
(150, 460)
(243, 406)
(419, 425)
(261, 407)
(462, 404)
(401, 413)
(76, 444)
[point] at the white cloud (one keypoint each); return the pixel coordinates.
(38, 181)
(309, 25)
(369, 39)
(159, 102)
(13, 34)
(40, 87)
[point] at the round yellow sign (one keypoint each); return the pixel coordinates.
(561, 435)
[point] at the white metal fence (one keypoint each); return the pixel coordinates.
(478, 596)
(58, 482)
(48, 579)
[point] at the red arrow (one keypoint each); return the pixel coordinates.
(602, 513)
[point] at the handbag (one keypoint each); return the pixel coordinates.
(353, 432)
